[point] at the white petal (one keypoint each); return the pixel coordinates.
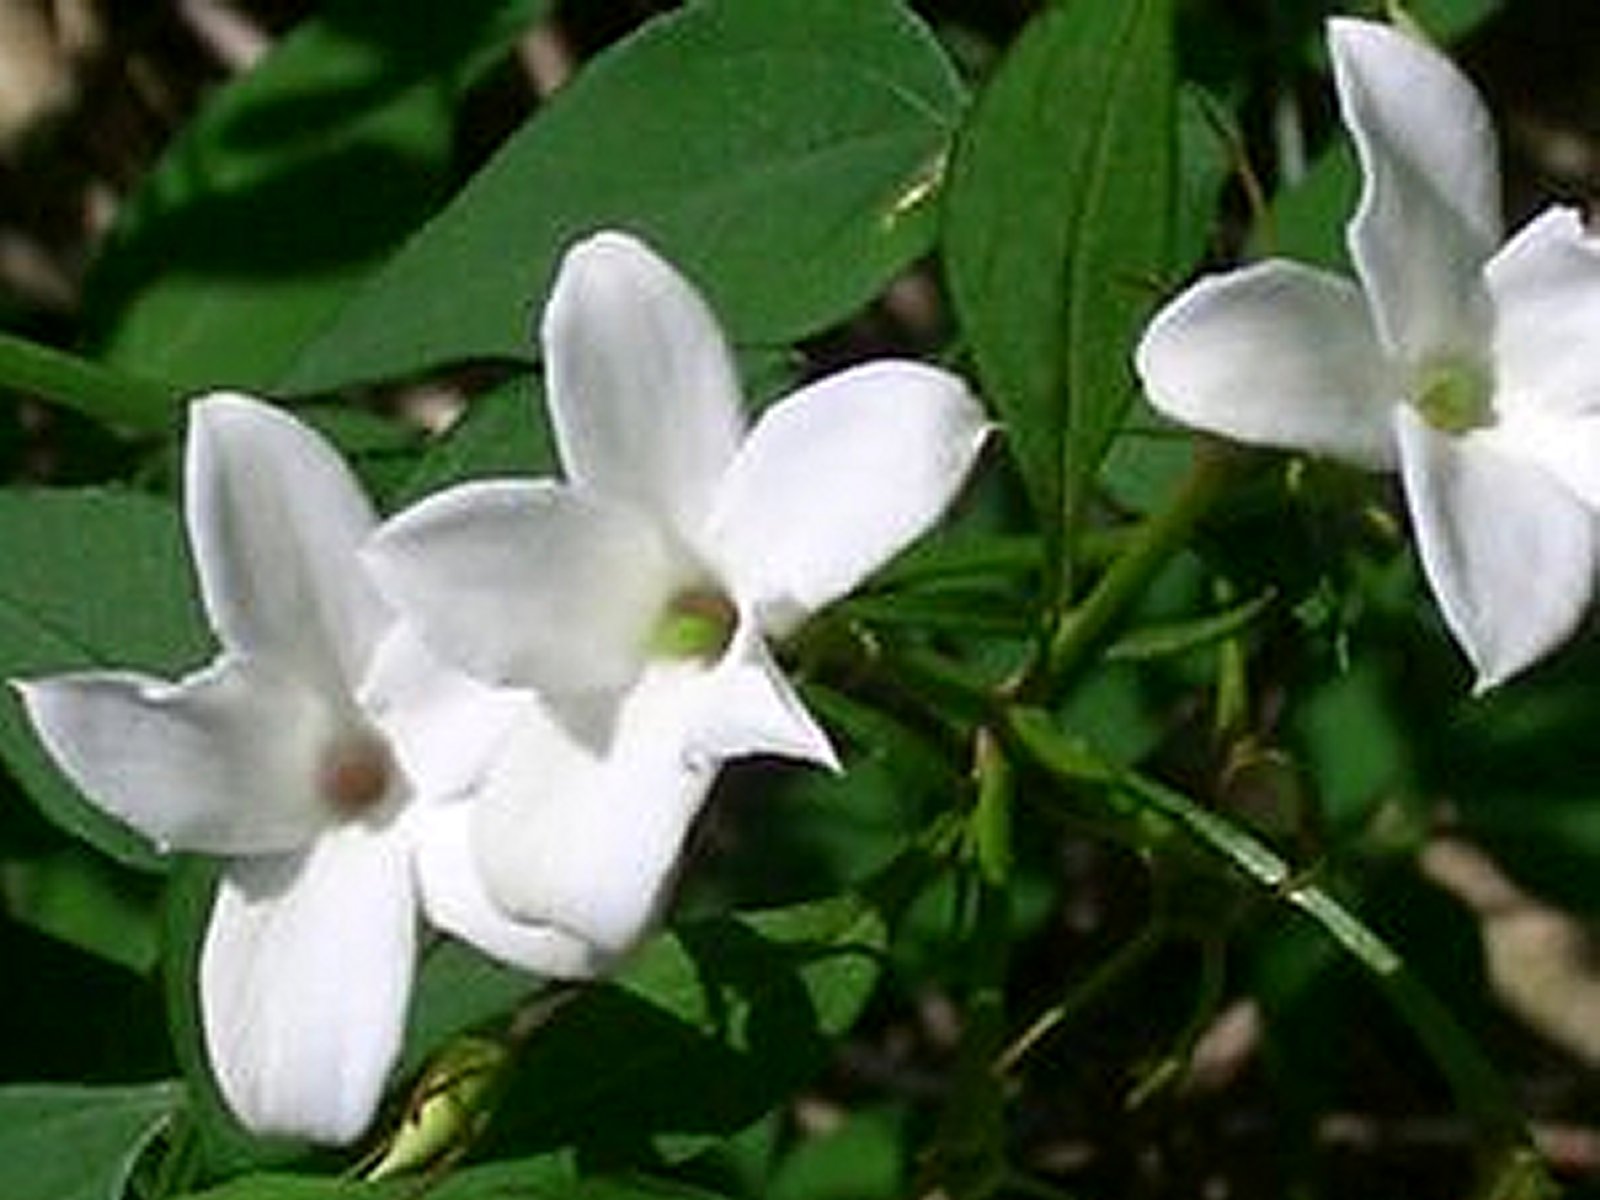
(1546, 287)
(587, 842)
(1510, 552)
(746, 706)
(275, 518)
(1567, 447)
(455, 900)
(836, 479)
(528, 584)
(1275, 354)
(442, 725)
(1429, 216)
(304, 979)
(224, 762)
(643, 395)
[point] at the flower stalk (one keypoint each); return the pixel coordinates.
(1480, 1091)
(31, 369)
(1083, 628)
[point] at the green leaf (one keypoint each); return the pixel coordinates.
(1309, 217)
(457, 989)
(290, 186)
(782, 152)
(64, 1142)
(708, 1029)
(965, 611)
(1207, 138)
(1179, 637)
(504, 431)
(93, 579)
(1058, 228)
(1479, 1089)
(863, 1159)
(80, 898)
(1450, 19)
(36, 371)
(530, 1179)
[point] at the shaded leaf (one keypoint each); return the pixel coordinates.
(547, 1178)
(708, 1029)
(1178, 637)
(82, 899)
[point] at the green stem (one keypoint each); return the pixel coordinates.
(1126, 960)
(943, 686)
(967, 1160)
(990, 824)
(1080, 630)
(1479, 1090)
(99, 392)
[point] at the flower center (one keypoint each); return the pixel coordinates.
(355, 774)
(697, 623)
(1453, 395)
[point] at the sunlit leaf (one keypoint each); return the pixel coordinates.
(1058, 228)
(92, 579)
(292, 183)
(784, 153)
(64, 1142)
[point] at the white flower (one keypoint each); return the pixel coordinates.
(1471, 367)
(324, 754)
(637, 597)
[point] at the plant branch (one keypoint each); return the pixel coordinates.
(1081, 629)
(106, 395)
(1478, 1087)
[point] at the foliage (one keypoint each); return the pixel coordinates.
(1148, 744)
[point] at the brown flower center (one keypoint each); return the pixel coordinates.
(355, 774)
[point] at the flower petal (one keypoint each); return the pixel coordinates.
(528, 584)
(836, 479)
(587, 842)
(1429, 216)
(455, 900)
(1546, 287)
(1568, 448)
(746, 706)
(1486, 524)
(224, 762)
(643, 394)
(275, 518)
(304, 979)
(443, 725)
(1275, 354)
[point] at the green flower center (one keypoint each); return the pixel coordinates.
(698, 623)
(1454, 396)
